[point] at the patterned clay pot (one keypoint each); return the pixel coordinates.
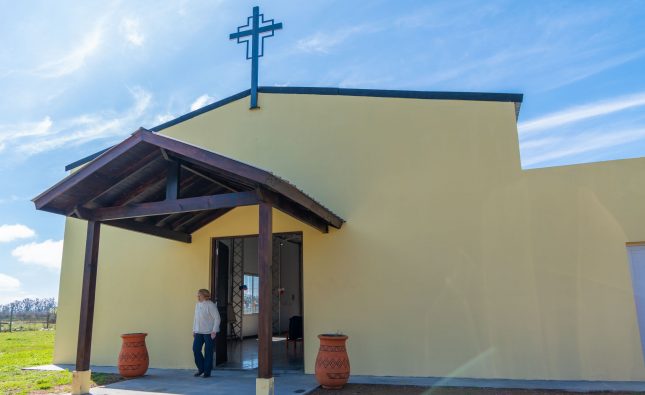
(133, 358)
(332, 362)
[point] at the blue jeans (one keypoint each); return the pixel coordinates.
(204, 362)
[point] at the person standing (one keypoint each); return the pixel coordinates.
(205, 328)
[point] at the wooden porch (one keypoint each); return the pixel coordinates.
(167, 188)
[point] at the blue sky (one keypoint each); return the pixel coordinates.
(76, 77)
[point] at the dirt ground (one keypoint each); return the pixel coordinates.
(372, 389)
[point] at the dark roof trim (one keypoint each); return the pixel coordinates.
(504, 97)
(294, 90)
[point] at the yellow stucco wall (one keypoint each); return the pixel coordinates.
(453, 261)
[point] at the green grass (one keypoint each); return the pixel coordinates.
(25, 326)
(19, 326)
(22, 349)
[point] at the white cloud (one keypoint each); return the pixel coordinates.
(8, 283)
(75, 58)
(539, 143)
(547, 53)
(131, 30)
(323, 42)
(589, 69)
(31, 138)
(201, 102)
(580, 144)
(10, 199)
(580, 113)
(27, 129)
(48, 253)
(164, 118)
(14, 232)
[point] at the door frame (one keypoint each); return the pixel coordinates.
(214, 278)
(213, 258)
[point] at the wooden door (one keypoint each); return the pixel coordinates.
(220, 290)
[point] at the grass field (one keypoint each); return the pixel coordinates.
(25, 326)
(22, 349)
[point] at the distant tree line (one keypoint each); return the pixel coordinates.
(28, 310)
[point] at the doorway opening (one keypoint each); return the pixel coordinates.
(235, 285)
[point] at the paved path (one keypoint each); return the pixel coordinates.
(562, 385)
(175, 381)
(181, 381)
(242, 382)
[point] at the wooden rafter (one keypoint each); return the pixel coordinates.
(164, 187)
(172, 206)
(204, 176)
(148, 164)
(239, 169)
(172, 180)
(159, 231)
(198, 223)
(289, 207)
(74, 179)
(172, 219)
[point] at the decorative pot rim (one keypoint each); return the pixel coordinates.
(332, 336)
(136, 334)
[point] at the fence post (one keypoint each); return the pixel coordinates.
(11, 318)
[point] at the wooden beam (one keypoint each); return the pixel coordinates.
(74, 179)
(211, 202)
(88, 290)
(203, 221)
(299, 197)
(193, 154)
(148, 167)
(150, 230)
(143, 191)
(173, 218)
(176, 221)
(186, 222)
(265, 325)
(293, 209)
(172, 180)
(204, 176)
(165, 154)
(237, 170)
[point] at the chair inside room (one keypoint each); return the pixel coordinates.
(295, 333)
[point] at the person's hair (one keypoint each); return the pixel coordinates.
(205, 293)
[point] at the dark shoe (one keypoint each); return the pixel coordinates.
(198, 374)
(207, 376)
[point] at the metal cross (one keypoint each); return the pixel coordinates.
(255, 32)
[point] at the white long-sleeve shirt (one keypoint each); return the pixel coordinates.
(207, 318)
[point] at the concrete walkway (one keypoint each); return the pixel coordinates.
(579, 386)
(166, 381)
(181, 381)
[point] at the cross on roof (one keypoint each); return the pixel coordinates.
(255, 32)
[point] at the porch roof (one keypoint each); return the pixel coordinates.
(165, 187)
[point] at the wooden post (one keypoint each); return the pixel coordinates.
(265, 334)
(84, 346)
(172, 181)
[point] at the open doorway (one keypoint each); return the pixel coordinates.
(235, 284)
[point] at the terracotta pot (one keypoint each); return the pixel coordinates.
(332, 362)
(133, 358)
